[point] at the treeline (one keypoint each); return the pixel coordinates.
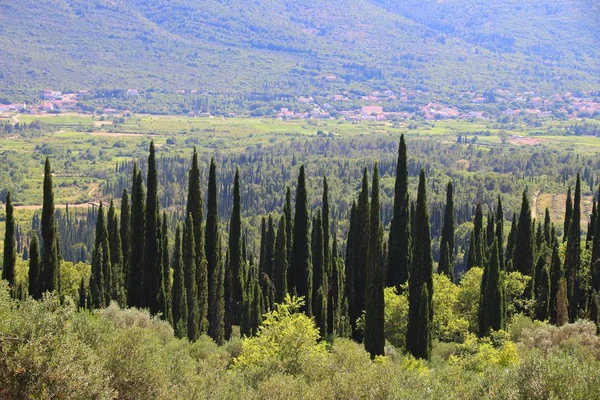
(206, 284)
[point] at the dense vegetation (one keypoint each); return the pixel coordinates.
(471, 318)
(282, 49)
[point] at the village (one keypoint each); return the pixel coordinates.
(403, 104)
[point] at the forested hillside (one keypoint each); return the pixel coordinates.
(292, 48)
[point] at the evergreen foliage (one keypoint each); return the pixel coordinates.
(374, 301)
(573, 255)
(153, 271)
(492, 307)
(50, 266)
(10, 248)
(400, 246)
(136, 284)
(301, 273)
(35, 289)
(280, 264)
(179, 296)
(420, 285)
(446, 264)
(235, 254)
(195, 317)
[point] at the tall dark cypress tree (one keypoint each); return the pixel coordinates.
(523, 253)
(510, 243)
(478, 246)
(349, 270)
(289, 224)
(179, 297)
(340, 322)
(420, 285)
(325, 223)
(573, 255)
(10, 247)
(361, 249)
(492, 306)
(166, 264)
(470, 258)
(301, 265)
(319, 275)
(216, 328)
(281, 266)
(195, 208)
(422, 343)
(34, 268)
(446, 265)
(101, 268)
(125, 232)
(568, 216)
(195, 318)
(270, 248)
(374, 301)
(136, 284)
(556, 274)
(117, 282)
(500, 233)
(490, 231)
(212, 249)
(50, 267)
(399, 247)
(235, 253)
(153, 273)
(548, 228)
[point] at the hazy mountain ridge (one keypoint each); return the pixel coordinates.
(228, 46)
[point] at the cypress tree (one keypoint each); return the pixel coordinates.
(212, 249)
(281, 265)
(510, 244)
(500, 233)
(573, 255)
(10, 247)
(235, 253)
(301, 263)
(349, 270)
(195, 318)
(422, 343)
(34, 268)
(50, 267)
(492, 305)
(262, 258)
(361, 249)
(591, 225)
(478, 236)
(194, 207)
(374, 301)
(117, 283)
(595, 311)
(568, 216)
(136, 284)
(216, 327)
(101, 265)
(548, 228)
(522, 257)
(556, 274)
(211, 237)
(289, 224)
(125, 232)
(338, 303)
(270, 248)
(153, 273)
(446, 265)
(471, 253)
(418, 333)
(325, 223)
(490, 231)
(166, 274)
(562, 303)
(82, 303)
(179, 297)
(399, 254)
(228, 300)
(319, 296)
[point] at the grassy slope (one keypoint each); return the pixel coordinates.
(286, 46)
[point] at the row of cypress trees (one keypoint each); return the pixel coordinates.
(201, 288)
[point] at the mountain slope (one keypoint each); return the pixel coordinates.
(286, 46)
